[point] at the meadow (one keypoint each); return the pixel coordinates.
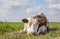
(8, 29)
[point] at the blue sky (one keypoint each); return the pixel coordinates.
(15, 10)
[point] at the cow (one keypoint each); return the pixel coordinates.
(36, 24)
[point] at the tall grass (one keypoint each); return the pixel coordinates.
(10, 27)
(7, 27)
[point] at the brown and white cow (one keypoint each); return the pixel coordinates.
(36, 24)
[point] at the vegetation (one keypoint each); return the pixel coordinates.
(7, 30)
(10, 27)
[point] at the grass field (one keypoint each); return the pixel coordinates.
(7, 30)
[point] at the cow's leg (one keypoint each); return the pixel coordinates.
(38, 33)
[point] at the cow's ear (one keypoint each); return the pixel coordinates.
(25, 20)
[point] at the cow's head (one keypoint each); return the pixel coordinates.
(32, 24)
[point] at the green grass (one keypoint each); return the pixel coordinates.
(10, 27)
(7, 27)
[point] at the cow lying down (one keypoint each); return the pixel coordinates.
(36, 24)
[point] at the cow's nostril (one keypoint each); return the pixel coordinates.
(34, 33)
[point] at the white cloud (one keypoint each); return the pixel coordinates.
(55, 6)
(53, 1)
(15, 2)
(6, 5)
(3, 12)
(53, 12)
(48, 0)
(33, 9)
(29, 10)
